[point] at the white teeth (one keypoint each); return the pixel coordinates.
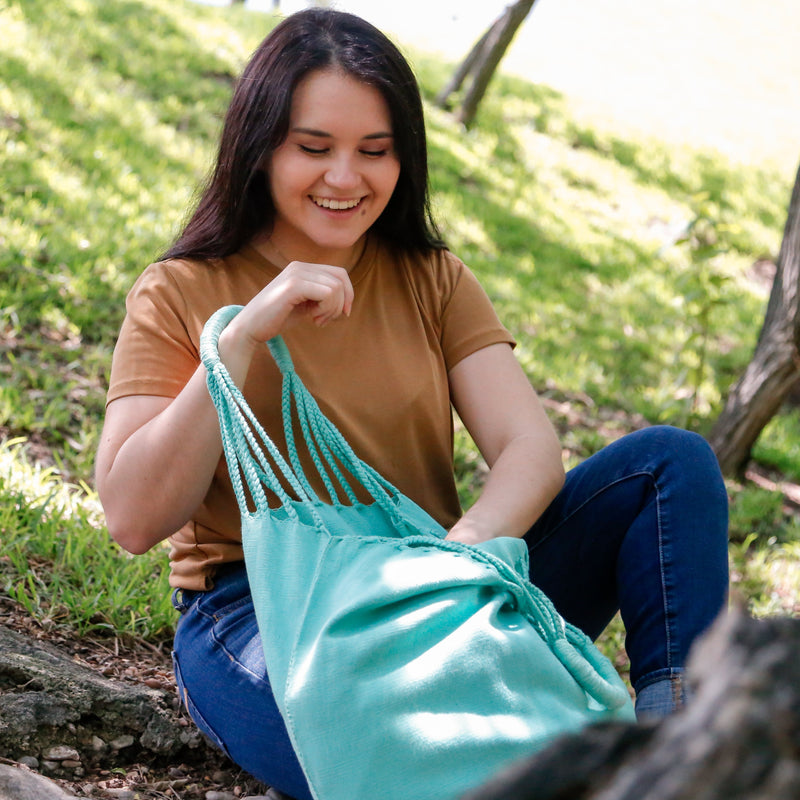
(336, 205)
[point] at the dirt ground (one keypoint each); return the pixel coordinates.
(217, 779)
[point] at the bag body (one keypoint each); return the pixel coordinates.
(403, 664)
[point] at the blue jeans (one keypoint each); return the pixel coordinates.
(639, 527)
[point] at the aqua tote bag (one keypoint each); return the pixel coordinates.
(404, 665)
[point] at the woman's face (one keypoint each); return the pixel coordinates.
(333, 176)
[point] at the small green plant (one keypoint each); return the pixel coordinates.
(704, 289)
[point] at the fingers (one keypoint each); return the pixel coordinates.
(323, 292)
(320, 293)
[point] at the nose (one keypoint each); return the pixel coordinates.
(342, 174)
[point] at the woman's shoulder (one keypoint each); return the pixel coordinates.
(195, 277)
(178, 270)
(181, 294)
(433, 273)
(434, 261)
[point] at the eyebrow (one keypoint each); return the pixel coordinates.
(324, 134)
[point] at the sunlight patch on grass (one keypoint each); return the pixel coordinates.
(59, 563)
(767, 579)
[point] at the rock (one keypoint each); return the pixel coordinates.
(121, 742)
(121, 794)
(17, 783)
(48, 701)
(739, 739)
(30, 762)
(61, 753)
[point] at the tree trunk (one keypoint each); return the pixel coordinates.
(483, 60)
(773, 370)
(466, 66)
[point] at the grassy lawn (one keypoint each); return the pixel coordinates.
(624, 266)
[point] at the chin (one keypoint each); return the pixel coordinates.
(343, 243)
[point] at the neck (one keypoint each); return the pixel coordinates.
(283, 253)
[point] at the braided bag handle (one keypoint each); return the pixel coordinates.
(255, 462)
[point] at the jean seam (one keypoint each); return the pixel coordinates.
(216, 617)
(223, 611)
(664, 590)
(591, 499)
(193, 710)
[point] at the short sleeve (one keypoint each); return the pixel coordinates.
(469, 320)
(155, 353)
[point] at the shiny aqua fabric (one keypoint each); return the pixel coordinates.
(404, 665)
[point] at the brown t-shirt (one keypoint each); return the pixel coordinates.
(380, 376)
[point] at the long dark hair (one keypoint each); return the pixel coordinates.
(236, 203)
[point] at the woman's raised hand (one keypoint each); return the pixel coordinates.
(320, 293)
(158, 455)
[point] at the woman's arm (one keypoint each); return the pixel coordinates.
(157, 455)
(502, 413)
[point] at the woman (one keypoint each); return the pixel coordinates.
(316, 220)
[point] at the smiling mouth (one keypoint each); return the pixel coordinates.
(336, 205)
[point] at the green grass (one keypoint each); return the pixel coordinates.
(107, 114)
(779, 444)
(622, 266)
(60, 565)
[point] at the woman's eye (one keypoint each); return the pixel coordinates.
(314, 151)
(374, 153)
